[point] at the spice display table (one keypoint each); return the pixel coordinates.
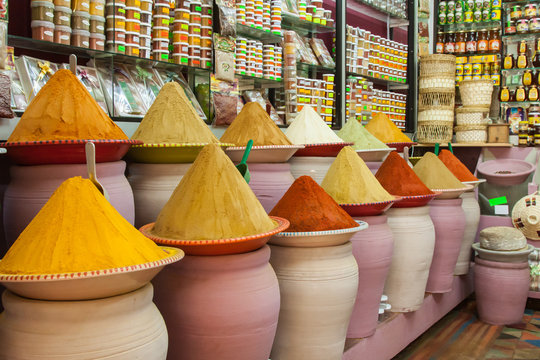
(404, 328)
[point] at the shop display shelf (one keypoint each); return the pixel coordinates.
(511, 3)
(257, 34)
(21, 42)
(378, 81)
(316, 68)
(381, 10)
(516, 70)
(479, 54)
(258, 82)
(303, 27)
(512, 38)
(489, 25)
(516, 103)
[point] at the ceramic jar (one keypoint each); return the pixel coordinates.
(269, 182)
(318, 288)
(414, 243)
(153, 185)
(32, 186)
(501, 291)
(122, 327)
(374, 166)
(449, 221)
(472, 218)
(314, 166)
(219, 307)
(372, 249)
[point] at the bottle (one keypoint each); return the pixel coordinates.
(471, 44)
(521, 94)
(460, 47)
(533, 93)
(494, 40)
(509, 61)
(504, 94)
(483, 41)
(440, 43)
(521, 60)
(450, 43)
(527, 78)
(522, 48)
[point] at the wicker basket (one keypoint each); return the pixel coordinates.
(471, 133)
(436, 115)
(432, 132)
(438, 65)
(471, 115)
(476, 92)
(436, 98)
(437, 82)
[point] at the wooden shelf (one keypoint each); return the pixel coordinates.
(494, 145)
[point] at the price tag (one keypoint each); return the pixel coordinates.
(501, 210)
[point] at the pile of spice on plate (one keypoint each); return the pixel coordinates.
(349, 180)
(78, 230)
(212, 201)
(309, 208)
(173, 120)
(309, 128)
(456, 166)
(385, 130)
(64, 110)
(397, 177)
(356, 133)
(254, 123)
(435, 174)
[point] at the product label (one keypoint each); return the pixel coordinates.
(482, 45)
(505, 95)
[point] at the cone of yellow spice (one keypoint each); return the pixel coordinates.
(254, 123)
(432, 171)
(64, 110)
(349, 180)
(78, 230)
(385, 130)
(172, 120)
(212, 201)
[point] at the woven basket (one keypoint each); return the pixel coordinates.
(471, 133)
(471, 115)
(437, 82)
(438, 65)
(436, 98)
(525, 215)
(436, 115)
(432, 132)
(476, 92)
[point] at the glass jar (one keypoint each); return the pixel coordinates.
(483, 41)
(522, 26)
(460, 47)
(510, 27)
(440, 43)
(534, 25)
(450, 43)
(494, 40)
(515, 12)
(471, 43)
(529, 11)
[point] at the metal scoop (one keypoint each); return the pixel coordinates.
(242, 167)
(90, 150)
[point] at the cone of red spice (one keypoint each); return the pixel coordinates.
(397, 177)
(309, 208)
(456, 167)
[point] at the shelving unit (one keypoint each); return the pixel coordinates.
(257, 34)
(471, 26)
(303, 27)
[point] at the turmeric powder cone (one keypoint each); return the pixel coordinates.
(435, 174)
(78, 230)
(385, 130)
(64, 110)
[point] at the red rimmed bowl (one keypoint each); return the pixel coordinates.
(88, 285)
(369, 209)
(415, 200)
(399, 146)
(323, 150)
(317, 238)
(65, 151)
(219, 246)
(264, 154)
(167, 153)
(452, 193)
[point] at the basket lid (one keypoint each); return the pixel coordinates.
(436, 89)
(471, 127)
(526, 216)
(470, 82)
(437, 57)
(472, 109)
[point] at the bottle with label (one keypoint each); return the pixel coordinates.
(522, 48)
(450, 43)
(533, 93)
(504, 94)
(509, 61)
(521, 94)
(494, 40)
(460, 47)
(483, 41)
(527, 78)
(471, 42)
(440, 43)
(521, 62)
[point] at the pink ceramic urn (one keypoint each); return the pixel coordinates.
(269, 182)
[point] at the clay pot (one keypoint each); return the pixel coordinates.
(372, 249)
(318, 289)
(501, 291)
(413, 251)
(126, 326)
(449, 221)
(472, 218)
(374, 166)
(153, 185)
(269, 182)
(32, 186)
(219, 307)
(313, 166)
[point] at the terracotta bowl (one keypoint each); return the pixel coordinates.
(369, 209)
(505, 172)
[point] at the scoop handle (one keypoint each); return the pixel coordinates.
(91, 160)
(246, 153)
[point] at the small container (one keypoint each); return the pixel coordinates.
(180, 25)
(97, 24)
(206, 41)
(180, 48)
(146, 5)
(522, 26)
(116, 9)
(80, 38)
(145, 53)
(133, 25)
(132, 50)
(530, 11)
(206, 31)
(97, 42)
(42, 30)
(118, 35)
(133, 13)
(194, 61)
(132, 38)
(118, 47)
(206, 20)
(194, 40)
(515, 12)
(62, 34)
(534, 25)
(145, 41)
(116, 22)
(97, 8)
(160, 55)
(161, 20)
(42, 11)
(80, 5)
(133, 3)
(62, 16)
(181, 37)
(80, 21)
(64, 3)
(160, 32)
(146, 30)
(510, 27)
(162, 9)
(206, 53)
(146, 17)
(160, 45)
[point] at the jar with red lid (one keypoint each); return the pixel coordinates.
(510, 27)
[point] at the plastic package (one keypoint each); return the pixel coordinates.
(322, 53)
(225, 108)
(146, 81)
(5, 97)
(34, 74)
(224, 50)
(42, 10)
(303, 53)
(62, 16)
(62, 35)
(227, 17)
(89, 78)
(18, 99)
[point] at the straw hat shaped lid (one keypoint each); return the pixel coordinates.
(526, 216)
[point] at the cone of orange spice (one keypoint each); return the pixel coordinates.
(456, 167)
(397, 177)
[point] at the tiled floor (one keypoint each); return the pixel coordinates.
(461, 336)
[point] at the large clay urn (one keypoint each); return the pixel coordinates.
(414, 242)
(501, 290)
(372, 249)
(153, 185)
(314, 166)
(449, 221)
(122, 327)
(472, 218)
(318, 289)
(219, 307)
(32, 186)
(269, 182)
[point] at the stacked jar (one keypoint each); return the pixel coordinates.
(522, 19)
(206, 36)
(392, 104)
(264, 15)
(97, 25)
(387, 59)
(62, 21)
(469, 11)
(487, 67)
(145, 35)
(133, 27)
(254, 58)
(195, 34)
(115, 11)
(80, 23)
(160, 31)
(275, 17)
(180, 33)
(289, 68)
(359, 97)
